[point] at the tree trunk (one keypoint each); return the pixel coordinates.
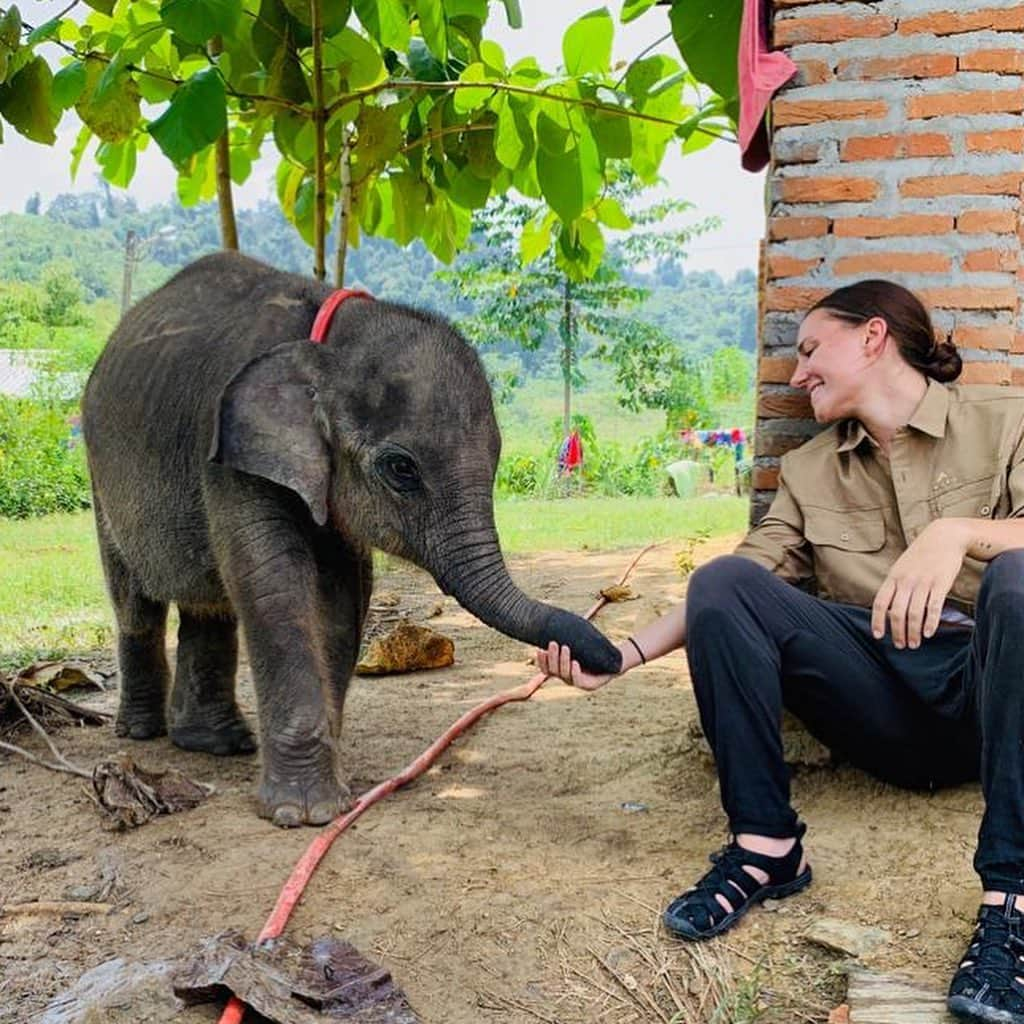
(344, 212)
(320, 155)
(225, 200)
(567, 345)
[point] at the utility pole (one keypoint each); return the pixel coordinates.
(130, 256)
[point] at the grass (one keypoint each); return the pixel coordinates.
(53, 602)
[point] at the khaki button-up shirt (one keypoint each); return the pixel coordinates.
(844, 513)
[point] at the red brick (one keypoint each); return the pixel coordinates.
(796, 112)
(790, 405)
(765, 478)
(813, 72)
(1009, 62)
(781, 228)
(1017, 375)
(947, 23)
(776, 444)
(996, 336)
(827, 190)
(967, 297)
(887, 227)
(780, 265)
(988, 101)
(962, 185)
(791, 299)
(831, 29)
(927, 65)
(888, 147)
(982, 222)
(1009, 140)
(894, 262)
(1017, 345)
(985, 373)
(990, 259)
(775, 369)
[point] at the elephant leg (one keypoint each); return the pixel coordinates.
(345, 584)
(204, 715)
(141, 651)
(268, 564)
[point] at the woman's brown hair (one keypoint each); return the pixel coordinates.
(907, 319)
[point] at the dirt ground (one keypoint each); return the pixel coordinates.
(522, 878)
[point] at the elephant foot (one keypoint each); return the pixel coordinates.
(289, 803)
(140, 723)
(233, 736)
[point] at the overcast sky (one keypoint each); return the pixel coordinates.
(711, 179)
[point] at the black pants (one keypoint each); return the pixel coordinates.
(948, 712)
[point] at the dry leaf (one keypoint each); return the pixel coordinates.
(57, 676)
(129, 795)
(619, 592)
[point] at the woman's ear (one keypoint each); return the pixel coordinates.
(876, 332)
(267, 423)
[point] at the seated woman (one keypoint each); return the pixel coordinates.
(881, 600)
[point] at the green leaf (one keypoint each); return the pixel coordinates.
(47, 31)
(103, 6)
(355, 58)
(197, 178)
(553, 136)
(378, 136)
(492, 56)
(196, 117)
(468, 190)
(469, 99)
(610, 213)
(333, 12)
(69, 83)
(410, 198)
(117, 161)
(707, 33)
(613, 135)
(580, 249)
(295, 136)
(386, 21)
(446, 229)
(645, 76)
(25, 101)
(587, 44)
(425, 67)
(288, 178)
(536, 238)
(513, 140)
(274, 39)
(10, 28)
(82, 141)
(571, 181)
(433, 27)
(634, 8)
(198, 21)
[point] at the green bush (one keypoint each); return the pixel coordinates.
(41, 470)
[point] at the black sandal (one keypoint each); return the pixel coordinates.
(987, 985)
(696, 914)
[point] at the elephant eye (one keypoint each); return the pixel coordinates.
(399, 471)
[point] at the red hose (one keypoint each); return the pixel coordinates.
(307, 864)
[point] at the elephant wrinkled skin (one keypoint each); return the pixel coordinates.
(244, 473)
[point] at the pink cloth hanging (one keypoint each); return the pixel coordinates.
(761, 73)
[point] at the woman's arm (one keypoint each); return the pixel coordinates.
(656, 639)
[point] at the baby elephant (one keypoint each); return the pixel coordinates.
(244, 473)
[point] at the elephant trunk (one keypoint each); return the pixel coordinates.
(470, 567)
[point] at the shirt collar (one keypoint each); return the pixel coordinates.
(929, 418)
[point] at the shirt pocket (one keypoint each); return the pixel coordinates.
(975, 499)
(860, 530)
(847, 552)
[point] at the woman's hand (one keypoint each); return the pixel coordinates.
(914, 592)
(558, 661)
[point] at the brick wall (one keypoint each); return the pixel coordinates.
(898, 152)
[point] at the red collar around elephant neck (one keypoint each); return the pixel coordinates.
(326, 312)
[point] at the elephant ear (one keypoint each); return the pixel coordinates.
(267, 423)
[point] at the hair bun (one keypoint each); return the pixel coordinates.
(945, 363)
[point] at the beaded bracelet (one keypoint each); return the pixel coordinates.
(643, 660)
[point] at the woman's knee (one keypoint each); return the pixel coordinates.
(722, 580)
(1002, 585)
